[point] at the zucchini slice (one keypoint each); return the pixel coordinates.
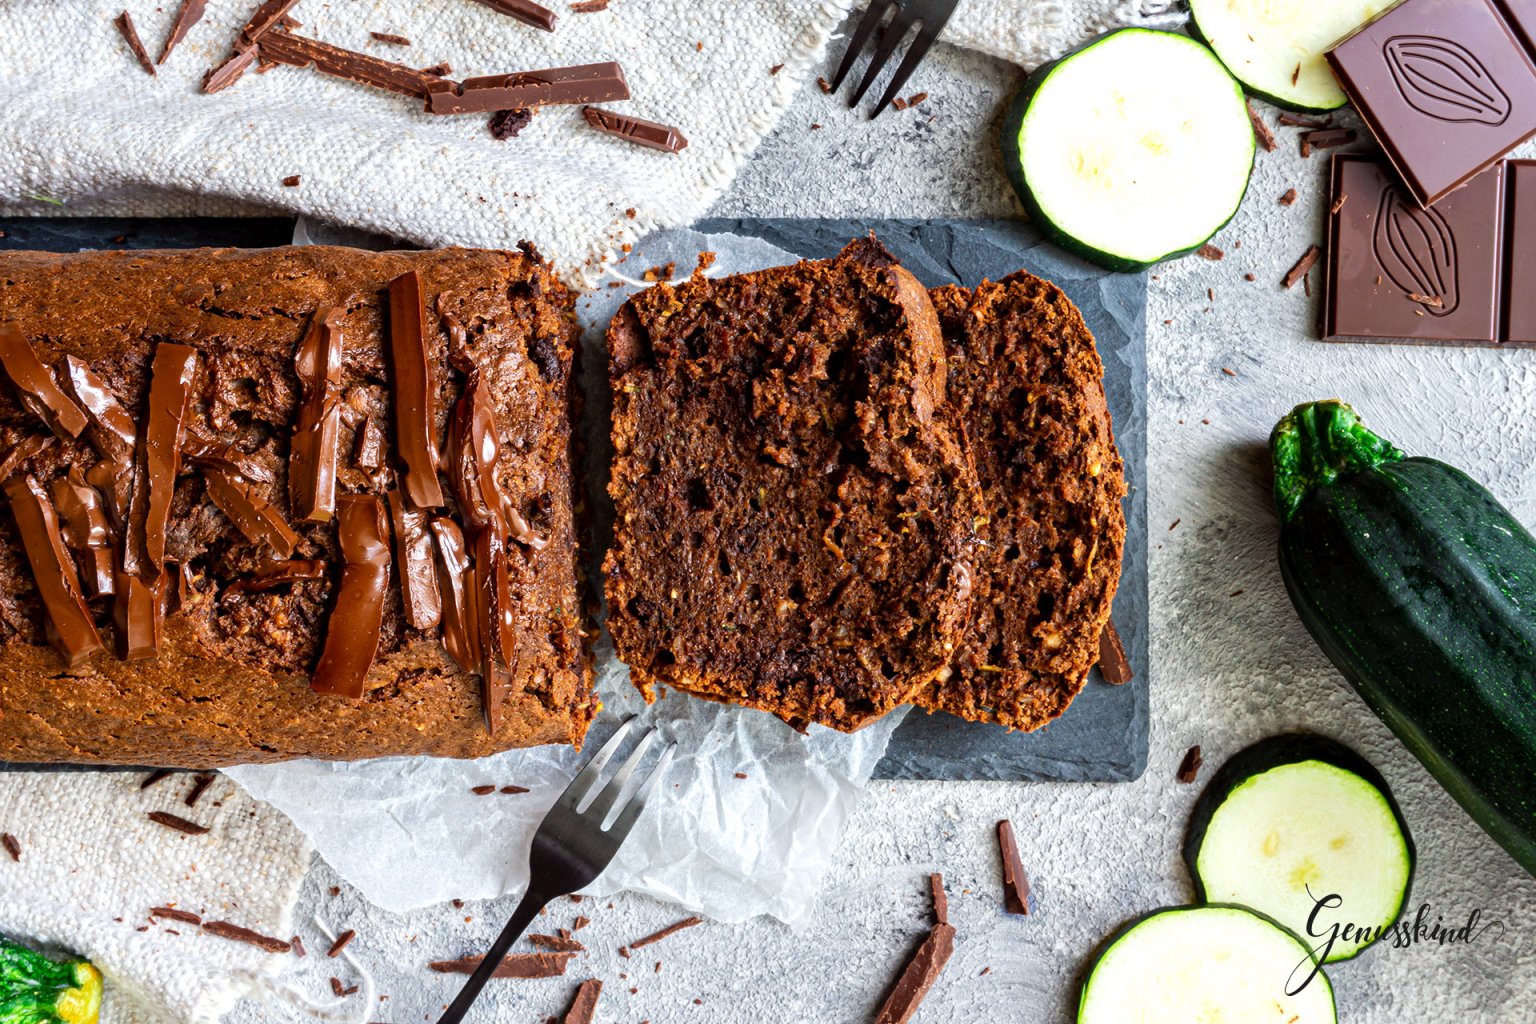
(1275, 47)
(1296, 819)
(1132, 149)
(1212, 964)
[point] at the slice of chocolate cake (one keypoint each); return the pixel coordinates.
(1028, 383)
(795, 518)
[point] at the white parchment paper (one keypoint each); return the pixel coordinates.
(744, 822)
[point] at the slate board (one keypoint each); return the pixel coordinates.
(1103, 737)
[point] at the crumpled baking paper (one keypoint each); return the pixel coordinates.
(744, 821)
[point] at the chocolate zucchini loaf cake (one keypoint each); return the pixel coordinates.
(1028, 384)
(795, 517)
(303, 502)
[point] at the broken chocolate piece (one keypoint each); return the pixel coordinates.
(413, 391)
(38, 391)
(234, 932)
(229, 72)
(391, 38)
(1114, 666)
(525, 11)
(71, 628)
(312, 455)
(490, 582)
(368, 450)
(202, 448)
(1325, 138)
(921, 971)
(415, 557)
(199, 787)
(177, 823)
(12, 846)
(157, 776)
(172, 914)
(584, 1006)
(352, 633)
(83, 525)
(130, 34)
(513, 965)
(506, 124)
(559, 943)
(671, 929)
(940, 899)
(1189, 768)
(461, 636)
(637, 130)
(256, 517)
(22, 452)
(589, 6)
(111, 429)
(271, 575)
(187, 15)
(300, 51)
(1261, 132)
(270, 14)
(1015, 882)
(341, 943)
(1302, 267)
(585, 83)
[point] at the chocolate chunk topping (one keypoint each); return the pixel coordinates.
(201, 448)
(921, 971)
(490, 583)
(671, 929)
(584, 83)
(38, 391)
(352, 634)
(71, 628)
(110, 428)
(130, 34)
(513, 965)
(226, 930)
(312, 456)
(474, 448)
(277, 574)
(256, 517)
(368, 450)
(584, 1006)
(187, 15)
(1015, 881)
(22, 452)
(461, 636)
(300, 51)
(637, 130)
(415, 558)
(1114, 666)
(525, 11)
(1189, 768)
(413, 391)
(85, 531)
(177, 823)
(229, 72)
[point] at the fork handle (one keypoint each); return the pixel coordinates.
(522, 917)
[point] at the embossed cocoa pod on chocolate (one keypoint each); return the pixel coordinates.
(1444, 80)
(1417, 252)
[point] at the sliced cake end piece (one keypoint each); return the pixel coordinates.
(1028, 383)
(794, 515)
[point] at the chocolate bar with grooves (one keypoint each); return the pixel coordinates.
(364, 68)
(585, 83)
(649, 134)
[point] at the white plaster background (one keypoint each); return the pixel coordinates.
(1227, 670)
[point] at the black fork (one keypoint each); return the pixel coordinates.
(574, 843)
(929, 16)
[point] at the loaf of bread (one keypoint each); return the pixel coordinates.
(795, 519)
(300, 502)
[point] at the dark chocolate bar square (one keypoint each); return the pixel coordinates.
(1446, 86)
(1400, 272)
(1520, 260)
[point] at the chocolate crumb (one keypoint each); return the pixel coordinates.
(1210, 252)
(510, 790)
(589, 6)
(580, 923)
(776, 69)
(1174, 525)
(12, 846)
(341, 943)
(1302, 267)
(1229, 371)
(292, 181)
(335, 890)
(198, 789)
(184, 916)
(918, 976)
(1338, 204)
(159, 775)
(658, 968)
(815, 127)
(391, 38)
(916, 98)
(457, 903)
(984, 972)
(1428, 300)
(130, 34)
(1261, 132)
(1288, 198)
(899, 104)
(507, 124)
(1189, 768)
(1250, 276)
(1016, 896)
(482, 790)
(180, 824)
(235, 933)
(583, 1008)
(624, 952)
(741, 775)
(577, 897)
(336, 986)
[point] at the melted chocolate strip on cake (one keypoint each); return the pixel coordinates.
(256, 517)
(413, 391)
(71, 630)
(312, 455)
(85, 530)
(417, 567)
(24, 451)
(39, 392)
(460, 634)
(584, 83)
(352, 635)
(272, 575)
(363, 68)
(111, 429)
(493, 609)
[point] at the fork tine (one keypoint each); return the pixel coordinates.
(582, 783)
(632, 810)
(867, 24)
(598, 809)
(895, 30)
(914, 56)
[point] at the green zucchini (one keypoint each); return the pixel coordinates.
(35, 989)
(1132, 149)
(1211, 964)
(1421, 588)
(1294, 821)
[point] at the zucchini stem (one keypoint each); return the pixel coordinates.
(1315, 444)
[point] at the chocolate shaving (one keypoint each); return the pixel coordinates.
(671, 929)
(918, 976)
(589, 6)
(583, 83)
(130, 34)
(228, 73)
(460, 634)
(40, 394)
(513, 965)
(513, 790)
(352, 634)
(1210, 252)
(940, 899)
(1114, 666)
(199, 447)
(368, 451)
(413, 391)
(71, 628)
(269, 15)
(158, 775)
(1326, 138)
(199, 787)
(650, 134)
(271, 575)
(584, 1006)
(558, 943)
(341, 943)
(1016, 899)
(187, 15)
(179, 824)
(1261, 132)
(525, 11)
(1302, 268)
(1297, 121)
(391, 38)
(312, 455)
(83, 526)
(172, 914)
(110, 429)
(256, 517)
(12, 846)
(363, 68)
(1189, 768)
(22, 452)
(415, 558)
(234, 932)
(507, 124)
